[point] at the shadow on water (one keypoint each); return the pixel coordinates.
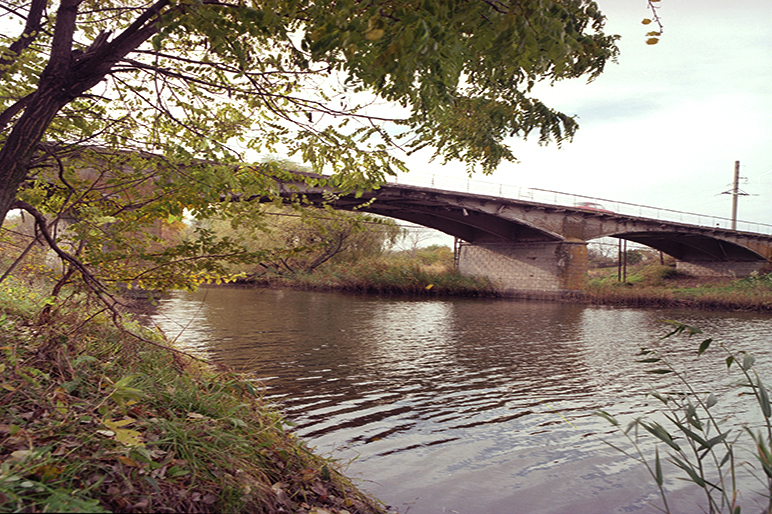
(472, 406)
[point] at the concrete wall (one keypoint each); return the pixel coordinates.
(530, 270)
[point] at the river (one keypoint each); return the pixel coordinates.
(472, 406)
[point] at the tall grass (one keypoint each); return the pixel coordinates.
(388, 276)
(705, 448)
(93, 420)
(663, 286)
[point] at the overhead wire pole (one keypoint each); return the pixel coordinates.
(735, 192)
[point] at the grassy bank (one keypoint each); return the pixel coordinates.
(93, 419)
(662, 286)
(646, 285)
(385, 276)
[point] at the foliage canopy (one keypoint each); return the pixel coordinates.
(343, 86)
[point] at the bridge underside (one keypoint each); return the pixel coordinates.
(700, 255)
(533, 249)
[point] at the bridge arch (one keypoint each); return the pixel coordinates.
(540, 250)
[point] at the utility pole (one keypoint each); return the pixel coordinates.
(735, 193)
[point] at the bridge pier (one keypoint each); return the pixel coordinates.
(544, 269)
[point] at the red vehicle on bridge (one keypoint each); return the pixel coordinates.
(590, 206)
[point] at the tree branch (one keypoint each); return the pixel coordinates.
(28, 35)
(42, 225)
(7, 115)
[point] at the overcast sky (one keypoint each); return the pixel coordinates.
(664, 126)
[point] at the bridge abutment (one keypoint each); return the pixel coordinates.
(555, 269)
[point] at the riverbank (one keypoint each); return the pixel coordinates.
(94, 418)
(382, 276)
(663, 286)
(644, 286)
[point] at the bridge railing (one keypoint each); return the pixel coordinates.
(545, 196)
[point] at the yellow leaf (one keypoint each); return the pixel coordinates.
(129, 437)
(652, 41)
(48, 472)
(374, 35)
(646, 21)
(119, 423)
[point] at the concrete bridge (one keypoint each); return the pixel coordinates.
(536, 249)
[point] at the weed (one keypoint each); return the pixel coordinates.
(697, 441)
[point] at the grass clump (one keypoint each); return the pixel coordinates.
(94, 420)
(663, 286)
(730, 461)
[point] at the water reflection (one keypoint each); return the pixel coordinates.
(475, 406)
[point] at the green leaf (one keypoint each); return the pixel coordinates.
(608, 417)
(715, 440)
(748, 361)
(704, 346)
(726, 457)
(660, 433)
(696, 478)
(660, 371)
(657, 468)
(689, 433)
(764, 399)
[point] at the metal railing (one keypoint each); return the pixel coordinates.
(546, 196)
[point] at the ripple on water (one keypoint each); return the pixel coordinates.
(472, 406)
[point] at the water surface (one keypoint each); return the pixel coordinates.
(464, 405)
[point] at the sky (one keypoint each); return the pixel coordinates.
(664, 126)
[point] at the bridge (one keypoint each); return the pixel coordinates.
(533, 243)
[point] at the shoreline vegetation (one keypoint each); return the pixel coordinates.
(101, 417)
(646, 285)
(656, 285)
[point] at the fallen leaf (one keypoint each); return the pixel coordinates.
(118, 424)
(18, 456)
(47, 472)
(129, 437)
(126, 461)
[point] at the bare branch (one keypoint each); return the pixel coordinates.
(42, 225)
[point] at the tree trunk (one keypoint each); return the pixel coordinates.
(17, 152)
(65, 78)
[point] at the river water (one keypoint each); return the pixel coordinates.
(469, 405)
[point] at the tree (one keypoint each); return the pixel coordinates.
(191, 78)
(291, 239)
(114, 115)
